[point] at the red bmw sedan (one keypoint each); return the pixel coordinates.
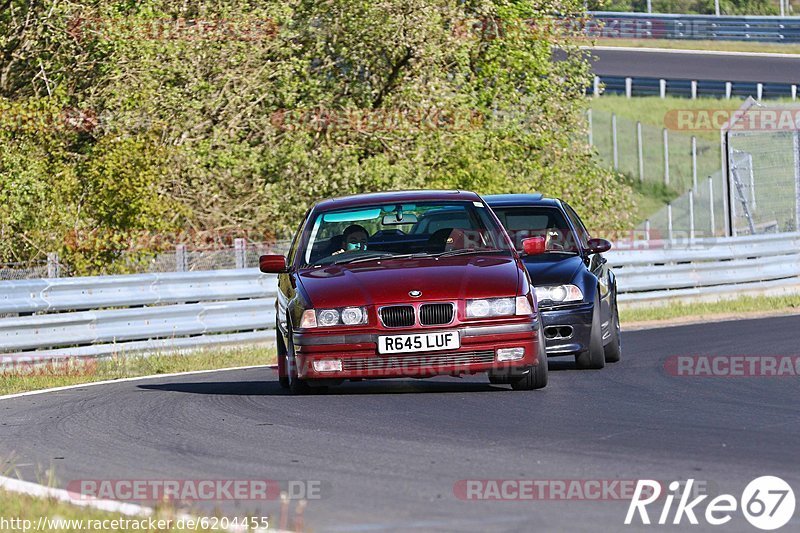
(405, 284)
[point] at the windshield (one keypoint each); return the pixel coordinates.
(547, 222)
(423, 229)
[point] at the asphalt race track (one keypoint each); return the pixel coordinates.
(388, 454)
(674, 64)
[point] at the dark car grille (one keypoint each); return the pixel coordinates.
(416, 362)
(435, 314)
(398, 316)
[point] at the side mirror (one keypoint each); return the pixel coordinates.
(272, 264)
(533, 245)
(598, 246)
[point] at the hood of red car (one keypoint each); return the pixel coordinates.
(390, 281)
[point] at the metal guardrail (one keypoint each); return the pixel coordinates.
(609, 24)
(640, 86)
(97, 316)
(662, 271)
(111, 314)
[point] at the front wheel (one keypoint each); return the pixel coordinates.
(535, 376)
(283, 377)
(613, 350)
(294, 383)
(594, 357)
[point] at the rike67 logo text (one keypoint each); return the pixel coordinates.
(767, 502)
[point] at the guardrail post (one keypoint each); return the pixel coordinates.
(728, 90)
(647, 229)
(711, 203)
(181, 261)
(794, 92)
(591, 133)
(759, 91)
(240, 250)
(691, 215)
(666, 156)
(614, 151)
(639, 150)
(662, 88)
(628, 87)
(669, 222)
(694, 162)
(596, 86)
(53, 266)
(694, 90)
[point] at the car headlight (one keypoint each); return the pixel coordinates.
(341, 316)
(489, 307)
(559, 294)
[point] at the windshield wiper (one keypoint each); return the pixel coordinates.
(466, 251)
(362, 258)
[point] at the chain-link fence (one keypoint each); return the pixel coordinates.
(651, 154)
(765, 181)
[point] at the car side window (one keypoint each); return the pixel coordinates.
(583, 235)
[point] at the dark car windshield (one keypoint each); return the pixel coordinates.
(393, 230)
(533, 221)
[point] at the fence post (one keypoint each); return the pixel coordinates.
(639, 150)
(662, 88)
(591, 136)
(694, 162)
(596, 86)
(647, 229)
(691, 215)
(728, 90)
(614, 148)
(628, 87)
(240, 250)
(666, 156)
(796, 145)
(669, 222)
(181, 262)
(53, 266)
(711, 203)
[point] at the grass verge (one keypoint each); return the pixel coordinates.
(25, 377)
(721, 46)
(703, 311)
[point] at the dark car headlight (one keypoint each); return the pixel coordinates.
(340, 316)
(558, 294)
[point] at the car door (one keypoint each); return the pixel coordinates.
(597, 265)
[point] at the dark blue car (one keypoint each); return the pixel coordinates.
(575, 287)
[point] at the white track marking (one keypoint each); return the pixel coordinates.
(691, 52)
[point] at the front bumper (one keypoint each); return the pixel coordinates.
(360, 359)
(567, 330)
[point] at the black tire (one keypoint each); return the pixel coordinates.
(535, 376)
(594, 358)
(613, 350)
(294, 384)
(282, 380)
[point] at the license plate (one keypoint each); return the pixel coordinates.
(420, 342)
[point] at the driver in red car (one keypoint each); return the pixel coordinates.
(354, 239)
